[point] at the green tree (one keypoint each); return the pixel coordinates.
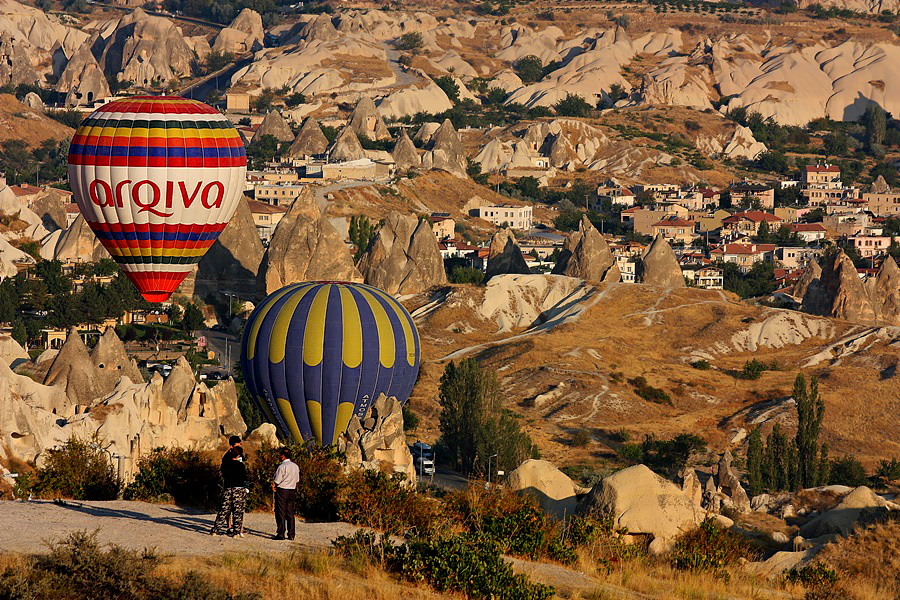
(411, 42)
(529, 68)
(218, 59)
(19, 333)
(763, 233)
(572, 105)
(262, 150)
(474, 426)
(755, 460)
(193, 318)
(810, 411)
(875, 121)
(449, 86)
(361, 233)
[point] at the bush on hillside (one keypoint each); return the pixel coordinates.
(464, 563)
(78, 568)
(710, 548)
(79, 469)
(847, 470)
(183, 476)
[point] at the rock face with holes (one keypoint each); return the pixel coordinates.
(404, 257)
(554, 490)
(82, 81)
(586, 255)
(366, 121)
(378, 442)
(15, 66)
(505, 256)
(644, 503)
(840, 293)
(305, 247)
(659, 266)
(725, 489)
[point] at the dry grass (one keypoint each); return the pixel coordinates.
(301, 574)
(868, 562)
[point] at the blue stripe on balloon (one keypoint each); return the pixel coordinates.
(292, 367)
(156, 151)
(331, 369)
(371, 363)
(133, 236)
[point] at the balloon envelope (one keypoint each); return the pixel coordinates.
(316, 353)
(157, 179)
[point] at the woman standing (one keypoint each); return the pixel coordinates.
(234, 474)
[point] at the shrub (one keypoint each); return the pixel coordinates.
(466, 275)
(386, 503)
(889, 470)
(753, 369)
(847, 470)
(410, 419)
(321, 474)
(701, 365)
(512, 521)
(813, 575)
(410, 41)
(710, 548)
(77, 568)
(529, 68)
(80, 470)
(464, 563)
(582, 437)
(648, 392)
(184, 476)
(572, 105)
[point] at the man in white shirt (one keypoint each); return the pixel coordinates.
(285, 487)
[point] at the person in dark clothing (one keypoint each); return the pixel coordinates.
(234, 497)
(285, 487)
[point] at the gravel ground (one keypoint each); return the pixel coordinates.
(29, 526)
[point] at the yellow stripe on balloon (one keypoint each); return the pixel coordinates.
(278, 341)
(314, 412)
(260, 317)
(385, 331)
(314, 332)
(147, 250)
(288, 413)
(403, 317)
(344, 412)
(352, 350)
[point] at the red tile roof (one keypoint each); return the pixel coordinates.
(258, 207)
(757, 216)
(674, 222)
(743, 249)
(807, 227)
(822, 169)
(71, 207)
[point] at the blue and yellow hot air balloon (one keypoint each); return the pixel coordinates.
(316, 353)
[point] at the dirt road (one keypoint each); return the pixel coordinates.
(28, 526)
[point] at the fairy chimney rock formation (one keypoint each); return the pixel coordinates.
(112, 362)
(305, 247)
(505, 256)
(244, 34)
(659, 266)
(586, 255)
(274, 124)
(446, 152)
(406, 156)
(404, 257)
(885, 292)
(82, 81)
(235, 256)
(347, 147)
(366, 121)
(840, 293)
(808, 280)
(309, 141)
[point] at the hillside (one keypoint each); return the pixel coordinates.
(570, 371)
(18, 122)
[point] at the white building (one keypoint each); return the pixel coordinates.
(516, 217)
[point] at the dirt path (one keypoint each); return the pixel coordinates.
(28, 526)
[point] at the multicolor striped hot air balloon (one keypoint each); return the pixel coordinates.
(157, 179)
(316, 353)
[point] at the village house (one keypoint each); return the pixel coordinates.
(752, 195)
(706, 277)
(747, 223)
(614, 193)
(72, 212)
(744, 255)
(443, 226)
(870, 246)
(847, 224)
(642, 220)
(809, 232)
(792, 257)
(516, 217)
(825, 177)
(675, 230)
(278, 194)
(883, 205)
(266, 217)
